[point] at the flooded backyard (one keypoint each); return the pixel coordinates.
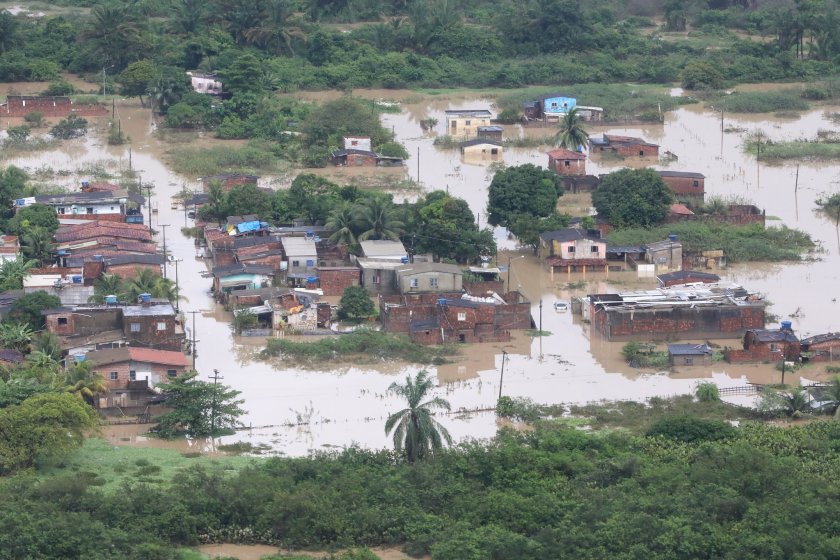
(296, 410)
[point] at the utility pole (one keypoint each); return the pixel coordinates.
(502, 376)
(418, 164)
(215, 377)
(165, 260)
(192, 344)
(540, 317)
(148, 202)
(177, 285)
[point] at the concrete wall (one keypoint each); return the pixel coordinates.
(170, 338)
(434, 282)
(49, 107)
(465, 127)
(568, 167)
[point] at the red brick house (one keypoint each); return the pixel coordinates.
(567, 162)
(229, 180)
(335, 279)
(821, 348)
(625, 146)
(132, 373)
(688, 187)
(354, 158)
(762, 345)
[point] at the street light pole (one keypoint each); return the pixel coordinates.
(164, 226)
(215, 379)
(502, 376)
(510, 258)
(177, 286)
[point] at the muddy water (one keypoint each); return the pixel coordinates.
(296, 410)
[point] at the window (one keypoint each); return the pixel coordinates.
(132, 375)
(310, 263)
(113, 376)
(774, 347)
(641, 152)
(433, 282)
(467, 123)
(62, 320)
(172, 373)
(354, 142)
(494, 151)
(594, 249)
(462, 316)
(377, 279)
(414, 283)
(161, 326)
(61, 210)
(567, 163)
(112, 207)
(135, 327)
(454, 125)
(695, 183)
(89, 210)
(296, 263)
(571, 248)
(689, 361)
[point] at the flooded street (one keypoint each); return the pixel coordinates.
(298, 410)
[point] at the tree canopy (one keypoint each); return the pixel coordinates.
(633, 198)
(199, 408)
(356, 304)
(522, 190)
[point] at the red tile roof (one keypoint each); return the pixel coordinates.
(165, 357)
(563, 153)
(681, 209)
(98, 229)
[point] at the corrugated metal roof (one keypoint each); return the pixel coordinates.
(299, 246)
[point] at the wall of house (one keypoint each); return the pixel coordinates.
(724, 321)
(85, 323)
(666, 258)
(171, 337)
(465, 127)
(482, 288)
(579, 249)
(482, 150)
(360, 160)
(334, 282)
(688, 190)
(274, 261)
(386, 284)
(558, 105)
(701, 360)
(305, 264)
(434, 282)
(131, 270)
(571, 167)
(634, 150)
(827, 351)
(122, 369)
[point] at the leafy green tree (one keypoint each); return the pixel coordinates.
(378, 219)
(346, 116)
(572, 135)
(199, 408)
(447, 228)
(46, 426)
(216, 208)
(8, 31)
(18, 134)
(633, 198)
(416, 433)
(18, 389)
(73, 126)
(312, 197)
(27, 309)
(356, 304)
(830, 208)
(137, 78)
(793, 402)
(113, 34)
(12, 183)
(832, 395)
(688, 429)
(522, 190)
(707, 392)
(243, 75)
(34, 215)
(49, 344)
(249, 199)
(701, 75)
(528, 228)
(278, 28)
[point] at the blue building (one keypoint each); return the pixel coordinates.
(552, 105)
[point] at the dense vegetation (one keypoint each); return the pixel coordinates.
(694, 488)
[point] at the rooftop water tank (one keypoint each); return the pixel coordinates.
(404, 260)
(787, 326)
(442, 301)
(145, 298)
(111, 299)
(77, 279)
(672, 237)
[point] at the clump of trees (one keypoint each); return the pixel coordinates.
(633, 198)
(145, 281)
(199, 408)
(356, 304)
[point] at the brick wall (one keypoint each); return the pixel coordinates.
(685, 185)
(480, 289)
(824, 351)
(122, 370)
(635, 150)
(49, 107)
(678, 322)
(267, 260)
(334, 282)
(131, 270)
(116, 217)
(149, 336)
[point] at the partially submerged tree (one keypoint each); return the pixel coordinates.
(416, 433)
(199, 408)
(830, 208)
(522, 190)
(572, 135)
(633, 197)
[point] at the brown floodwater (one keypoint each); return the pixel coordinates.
(296, 410)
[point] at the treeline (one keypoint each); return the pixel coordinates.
(692, 488)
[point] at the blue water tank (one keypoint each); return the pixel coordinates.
(404, 260)
(63, 253)
(312, 280)
(97, 257)
(672, 237)
(80, 357)
(787, 326)
(85, 183)
(145, 298)
(112, 299)
(77, 279)
(442, 301)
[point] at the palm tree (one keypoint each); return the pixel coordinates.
(108, 285)
(82, 381)
(13, 272)
(417, 434)
(49, 344)
(37, 244)
(277, 29)
(114, 33)
(188, 16)
(15, 335)
(163, 94)
(166, 288)
(377, 218)
(144, 282)
(43, 366)
(572, 135)
(343, 221)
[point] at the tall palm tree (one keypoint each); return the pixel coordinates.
(13, 272)
(572, 135)
(795, 402)
(37, 244)
(416, 433)
(49, 344)
(163, 94)
(43, 366)
(144, 282)
(166, 288)
(81, 380)
(377, 218)
(277, 29)
(114, 33)
(188, 16)
(343, 221)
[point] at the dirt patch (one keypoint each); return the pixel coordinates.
(256, 552)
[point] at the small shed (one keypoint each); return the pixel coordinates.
(481, 148)
(492, 132)
(566, 162)
(690, 354)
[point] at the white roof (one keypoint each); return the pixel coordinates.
(383, 248)
(298, 246)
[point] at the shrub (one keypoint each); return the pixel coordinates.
(689, 429)
(59, 88)
(34, 118)
(707, 392)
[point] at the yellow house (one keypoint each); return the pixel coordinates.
(464, 123)
(481, 149)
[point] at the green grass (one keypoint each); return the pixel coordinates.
(765, 102)
(796, 149)
(107, 466)
(363, 345)
(222, 159)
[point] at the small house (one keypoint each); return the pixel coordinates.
(384, 249)
(566, 162)
(152, 325)
(132, 373)
(9, 248)
(464, 123)
(549, 107)
(665, 255)
(240, 276)
(821, 348)
(688, 187)
(354, 158)
(690, 354)
(625, 146)
(378, 276)
(333, 280)
(301, 255)
(207, 84)
(493, 132)
(98, 205)
(573, 249)
(428, 277)
(766, 345)
(679, 212)
(481, 149)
